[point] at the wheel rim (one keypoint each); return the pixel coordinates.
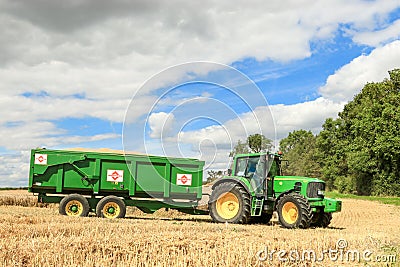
(290, 212)
(227, 206)
(74, 208)
(111, 210)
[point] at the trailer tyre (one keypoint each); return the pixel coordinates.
(230, 203)
(294, 211)
(111, 207)
(74, 205)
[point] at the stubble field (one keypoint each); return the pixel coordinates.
(32, 235)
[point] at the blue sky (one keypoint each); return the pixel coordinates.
(176, 78)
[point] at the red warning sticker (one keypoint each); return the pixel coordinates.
(41, 159)
(184, 179)
(115, 175)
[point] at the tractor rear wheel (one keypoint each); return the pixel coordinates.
(322, 219)
(229, 202)
(74, 205)
(111, 207)
(294, 211)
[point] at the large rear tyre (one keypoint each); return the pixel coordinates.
(74, 205)
(322, 219)
(111, 207)
(229, 202)
(294, 211)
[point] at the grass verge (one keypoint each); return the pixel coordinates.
(384, 200)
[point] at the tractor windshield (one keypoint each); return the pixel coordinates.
(248, 166)
(254, 168)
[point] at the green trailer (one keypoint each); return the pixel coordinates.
(105, 183)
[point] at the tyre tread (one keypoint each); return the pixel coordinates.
(244, 217)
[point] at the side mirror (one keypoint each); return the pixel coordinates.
(229, 172)
(286, 163)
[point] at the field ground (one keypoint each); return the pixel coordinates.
(38, 236)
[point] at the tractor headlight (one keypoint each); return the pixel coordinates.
(321, 193)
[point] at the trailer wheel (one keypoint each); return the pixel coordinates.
(230, 203)
(74, 205)
(111, 207)
(294, 211)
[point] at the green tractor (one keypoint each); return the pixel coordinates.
(256, 189)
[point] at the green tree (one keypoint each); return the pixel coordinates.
(213, 175)
(331, 144)
(254, 144)
(299, 149)
(361, 148)
(240, 148)
(258, 143)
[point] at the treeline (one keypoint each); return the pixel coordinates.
(359, 152)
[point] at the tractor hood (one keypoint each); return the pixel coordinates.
(310, 187)
(301, 179)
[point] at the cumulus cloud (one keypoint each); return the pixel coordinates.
(24, 136)
(161, 124)
(106, 51)
(31, 109)
(308, 115)
(379, 37)
(14, 169)
(351, 78)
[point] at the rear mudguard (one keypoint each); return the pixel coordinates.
(243, 182)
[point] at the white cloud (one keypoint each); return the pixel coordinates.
(106, 51)
(161, 124)
(308, 115)
(14, 169)
(376, 38)
(24, 136)
(30, 109)
(351, 78)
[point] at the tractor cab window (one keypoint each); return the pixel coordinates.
(253, 168)
(241, 166)
(246, 167)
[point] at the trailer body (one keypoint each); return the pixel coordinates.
(148, 182)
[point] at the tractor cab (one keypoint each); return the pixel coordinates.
(259, 170)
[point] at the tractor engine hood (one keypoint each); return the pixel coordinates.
(310, 187)
(301, 179)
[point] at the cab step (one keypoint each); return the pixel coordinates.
(257, 206)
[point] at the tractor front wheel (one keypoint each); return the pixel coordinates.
(229, 202)
(294, 211)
